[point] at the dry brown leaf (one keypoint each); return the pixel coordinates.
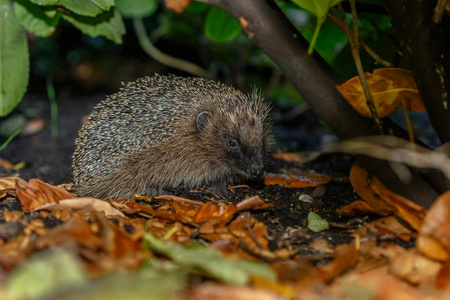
(443, 279)
(83, 206)
(177, 5)
(254, 202)
(7, 165)
(410, 266)
(345, 257)
(361, 206)
(224, 212)
(9, 183)
(37, 193)
(389, 88)
(295, 181)
(33, 126)
(434, 235)
(378, 196)
(216, 291)
(319, 244)
(296, 157)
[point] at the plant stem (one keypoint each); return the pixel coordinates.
(369, 51)
(315, 35)
(353, 40)
(155, 53)
(53, 106)
(3, 146)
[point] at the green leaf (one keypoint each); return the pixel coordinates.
(316, 223)
(136, 8)
(89, 8)
(317, 7)
(220, 26)
(46, 2)
(320, 9)
(14, 59)
(44, 273)
(211, 262)
(108, 24)
(35, 19)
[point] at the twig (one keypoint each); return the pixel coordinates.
(439, 11)
(361, 43)
(355, 53)
(163, 58)
(408, 122)
(53, 106)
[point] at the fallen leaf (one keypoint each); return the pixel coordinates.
(345, 257)
(316, 223)
(10, 183)
(232, 272)
(378, 196)
(254, 202)
(390, 88)
(215, 291)
(37, 193)
(42, 275)
(361, 206)
(177, 5)
(443, 277)
(7, 165)
(410, 266)
(434, 235)
(295, 181)
(83, 206)
(296, 157)
(33, 126)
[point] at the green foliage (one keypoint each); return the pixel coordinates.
(6, 143)
(44, 273)
(108, 24)
(137, 8)
(319, 8)
(194, 257)
(220, 26)
(36, 20)
(14, 56)
(59, 274)
(40, 17)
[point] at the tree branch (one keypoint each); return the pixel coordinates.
(266, 26)
(426, 45)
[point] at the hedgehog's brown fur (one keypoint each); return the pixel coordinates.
(163, 132)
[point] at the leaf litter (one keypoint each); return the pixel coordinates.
(260, 243)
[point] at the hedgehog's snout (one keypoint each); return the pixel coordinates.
(256, 172)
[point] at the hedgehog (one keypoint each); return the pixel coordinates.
(161, 133)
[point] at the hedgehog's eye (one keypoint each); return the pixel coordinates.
(232, 144)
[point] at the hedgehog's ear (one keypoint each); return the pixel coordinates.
(203, 118)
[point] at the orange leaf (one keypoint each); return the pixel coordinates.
(9, 183)
(434, 235)
(361, 206)
(382, 199)
(84, 206)
(443, 277)
(389, 88)
(38, 193)
(254, 202)
(177, 5)
(345, 256)
(295, 181)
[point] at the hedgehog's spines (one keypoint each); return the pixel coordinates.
(144, 138)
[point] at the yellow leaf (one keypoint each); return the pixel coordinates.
(390, 88)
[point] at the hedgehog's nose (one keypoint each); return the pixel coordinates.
(256, 173)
